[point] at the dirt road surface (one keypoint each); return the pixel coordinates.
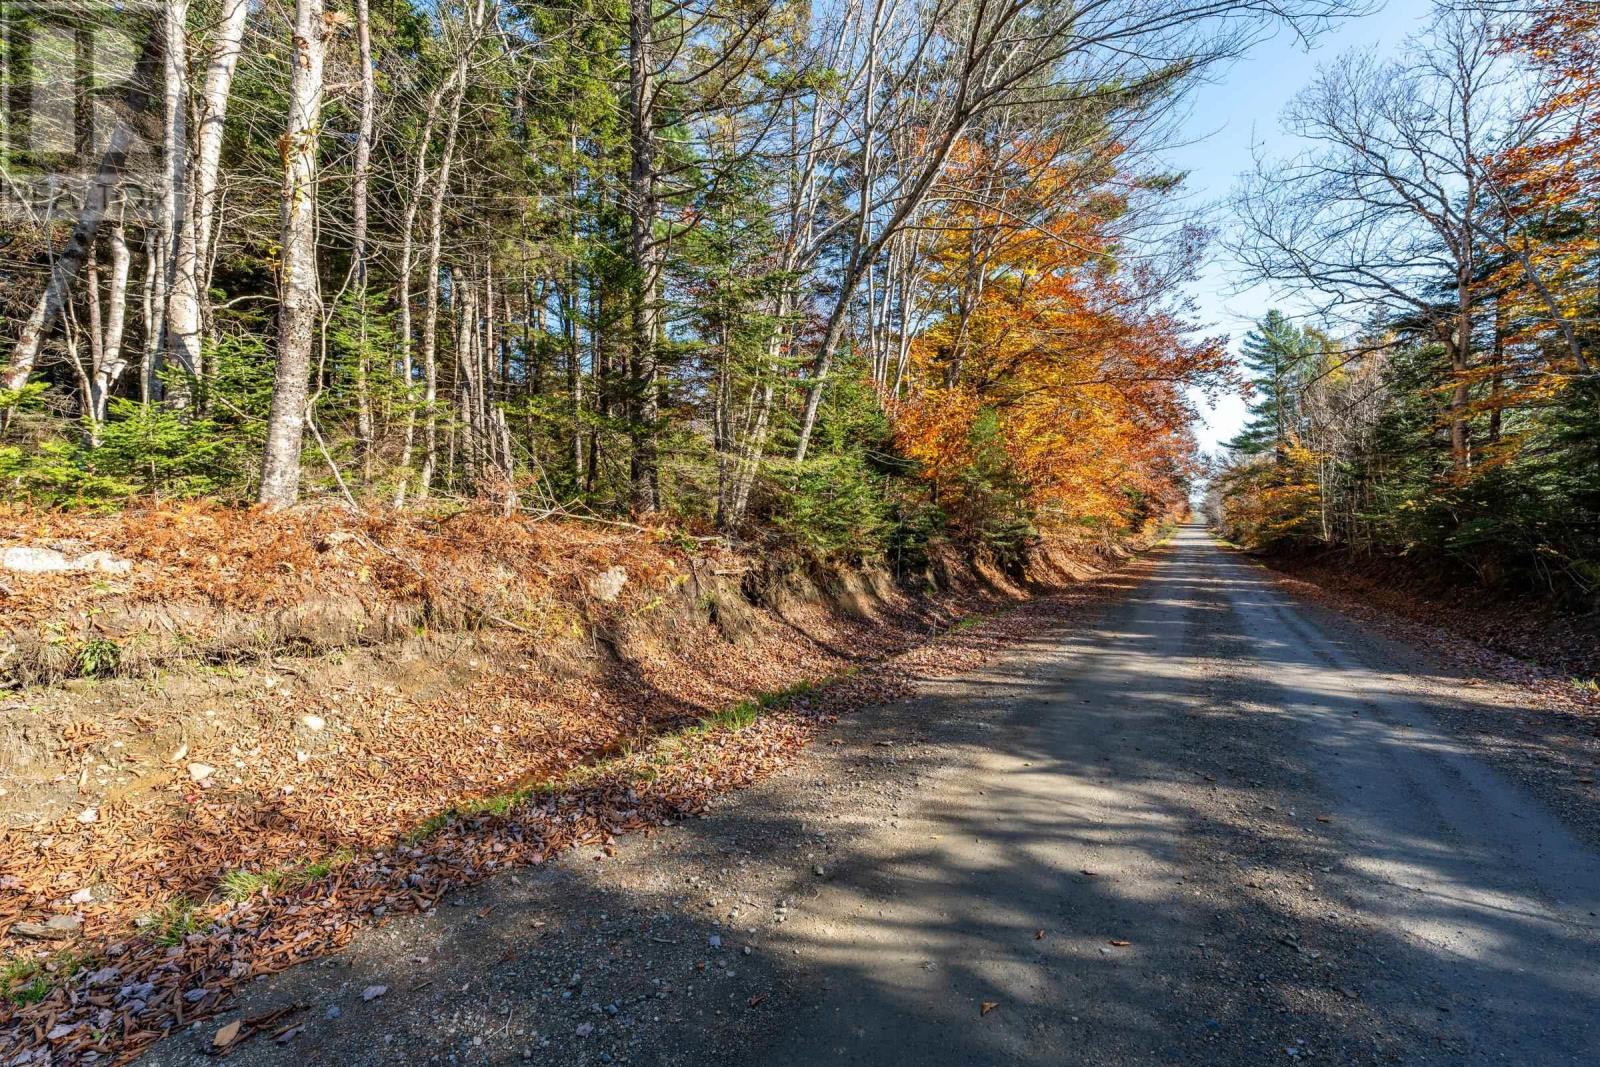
(1211, 825)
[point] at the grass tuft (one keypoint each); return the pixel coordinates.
(737, 717)
(238, 885)
(24, 982)
(98, 657)
(173, 922)
(28, 981)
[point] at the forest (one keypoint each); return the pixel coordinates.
(1429, 393)
(665, 532)
(854, 278)
(850, 277)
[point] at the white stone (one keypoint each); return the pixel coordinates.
(31, 560)
(34, 560)
(104, 562)
(608, 585)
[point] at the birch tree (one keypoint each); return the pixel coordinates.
(197, 220)
(1387, 207)
(104, 189)
(300, 301)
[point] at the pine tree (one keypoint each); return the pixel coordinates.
(1277, 354)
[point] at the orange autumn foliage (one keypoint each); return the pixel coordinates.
(1063, 373)
(1552, 188)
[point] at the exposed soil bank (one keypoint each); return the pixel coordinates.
(192, 825)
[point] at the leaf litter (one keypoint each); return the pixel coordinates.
(613, 764)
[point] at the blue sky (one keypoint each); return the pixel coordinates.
(1240, 108)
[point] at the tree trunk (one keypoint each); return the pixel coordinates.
(149, 387)
(642, 385)
(1497, 379)
(569, 318)
(300, 302)
(184, 310)
(358, 238)
(755, 444)
(430, 310)
(464, 297)
(598, 369)
(174, 216)
(419, 188)
(112, 359)
(824, 363)
(225, 54)
(1460, 349)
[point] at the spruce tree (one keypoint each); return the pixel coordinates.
(1277, 354)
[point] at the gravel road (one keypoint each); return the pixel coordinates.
(1207, 824)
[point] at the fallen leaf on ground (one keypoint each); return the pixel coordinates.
(228, 1034)
(313, 919)
(1119, 943)
(987, 1006)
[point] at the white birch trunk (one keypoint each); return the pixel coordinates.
(195, 229)
(300, 303)
(173, 215)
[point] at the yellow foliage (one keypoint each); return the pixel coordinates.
(1069, 365)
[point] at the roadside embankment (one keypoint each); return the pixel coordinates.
(262, 733)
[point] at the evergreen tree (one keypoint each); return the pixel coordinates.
(1277, 354)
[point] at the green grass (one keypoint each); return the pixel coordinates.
(746, 712)
(499, 804)
(28, 981)
(24, 982)
(737, 717)
(98, 658)
(237, 885)
(175, 921)
(779, 697)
